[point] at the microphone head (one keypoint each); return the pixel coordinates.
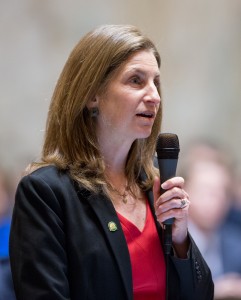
(167, 146)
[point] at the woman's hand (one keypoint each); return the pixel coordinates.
(173, 203)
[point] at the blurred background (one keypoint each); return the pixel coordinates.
(200, 46)
(199, 42)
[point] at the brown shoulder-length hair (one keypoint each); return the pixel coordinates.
(70, 141)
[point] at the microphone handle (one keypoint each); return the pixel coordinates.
(167, 169)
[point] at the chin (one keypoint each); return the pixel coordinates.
(144, 134)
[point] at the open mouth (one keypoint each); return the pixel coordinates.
(148, 115)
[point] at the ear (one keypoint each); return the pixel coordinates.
(93, 103)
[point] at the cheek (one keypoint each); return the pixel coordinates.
(116, 107)
(111, 115)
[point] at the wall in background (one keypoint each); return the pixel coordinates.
(200, 46)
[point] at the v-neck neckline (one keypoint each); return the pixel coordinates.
(131, 226)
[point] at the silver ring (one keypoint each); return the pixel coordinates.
(183, 203)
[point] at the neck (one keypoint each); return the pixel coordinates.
(116, 177)
(115, 159)
(114, 150)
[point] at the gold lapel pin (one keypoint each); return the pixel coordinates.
(112, 226)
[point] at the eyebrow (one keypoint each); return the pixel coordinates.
(139, 70)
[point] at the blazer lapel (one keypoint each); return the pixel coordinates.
(108, 218)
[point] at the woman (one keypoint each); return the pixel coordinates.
(84, 224)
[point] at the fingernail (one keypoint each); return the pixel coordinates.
(164, 185)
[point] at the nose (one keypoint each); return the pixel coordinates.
(152, 95)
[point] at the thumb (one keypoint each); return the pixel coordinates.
(156, 189)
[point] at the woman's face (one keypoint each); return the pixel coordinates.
(130, 103)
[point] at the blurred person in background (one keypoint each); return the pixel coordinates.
(234, 216)
(209, 180)
(87, 217)
(6, 284)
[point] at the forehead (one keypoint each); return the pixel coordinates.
(141, 60)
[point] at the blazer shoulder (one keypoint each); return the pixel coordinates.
(48, 180)
(51, 175)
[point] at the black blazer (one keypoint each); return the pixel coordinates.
(61, 246)
(6, 283)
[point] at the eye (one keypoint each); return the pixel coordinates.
(157, 82)
(136, 80)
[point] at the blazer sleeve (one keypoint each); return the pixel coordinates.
(194, 275)
(37, 243)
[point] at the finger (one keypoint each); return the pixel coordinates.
(177, 212)
(173, 193)
(175, 203)
(175, 181)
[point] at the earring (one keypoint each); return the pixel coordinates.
(94, 112)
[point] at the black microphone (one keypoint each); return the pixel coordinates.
(167, 149)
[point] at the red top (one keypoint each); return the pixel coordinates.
(147, 259)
